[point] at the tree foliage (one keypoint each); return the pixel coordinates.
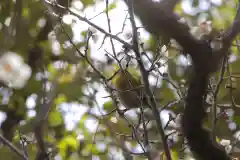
(69, 109)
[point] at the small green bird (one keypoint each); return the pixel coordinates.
(129, 89)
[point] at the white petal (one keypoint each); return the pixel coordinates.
(14, 60)
(225, 142)
(11, 55)
(26, 72)
(178, 120)
(196, 32)
(182, 20)
(4, 76)
(164, 48)
(17, 84)
(228, 148)
(19, 80)
(175, 44)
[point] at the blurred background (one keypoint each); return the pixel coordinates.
(65, 51)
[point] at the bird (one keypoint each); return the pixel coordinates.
(130, 90)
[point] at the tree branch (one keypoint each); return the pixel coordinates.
(169, 5)
(12, 147)
(233, 30)
(159, 19)
(144, 73)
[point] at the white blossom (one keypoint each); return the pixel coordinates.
(175, 44)
(182, 20)
(128, 35)
(178, 121)
(13, 71)
(216, 44)
(228, 148)
(226, 143)
(204, 28)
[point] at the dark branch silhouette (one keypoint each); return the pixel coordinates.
(158, 17)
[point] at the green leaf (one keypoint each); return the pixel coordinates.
(55, 118)
(71, 90)
(222, 130)
(82, 121)
(52, 69)
(108, 106)
(167, 95)
(174, 155)
(68, 142)
(32, 86)
(152, 43)
(92, 148)
(236, 119)
(65, 33)
(25, 12)
(111, 7)
(87, 2)
(195, 3)
(60, 99)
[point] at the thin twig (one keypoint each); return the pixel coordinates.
(215, 94)
(12, 147)
(90, 23)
